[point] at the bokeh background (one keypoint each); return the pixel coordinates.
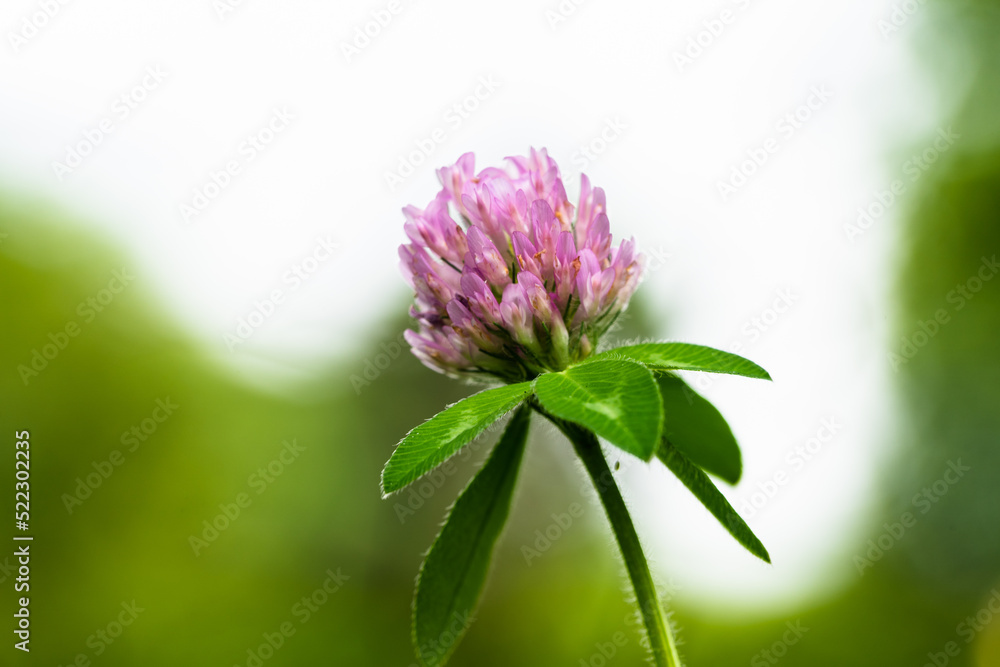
(854, 261)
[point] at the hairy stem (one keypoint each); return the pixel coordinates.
(661, 641)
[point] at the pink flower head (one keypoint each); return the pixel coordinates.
(525, 283)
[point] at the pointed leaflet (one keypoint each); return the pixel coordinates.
(698, 430)
(430, 444)
(688, 357)
(701, 486)
(616, 399)
(455, 569)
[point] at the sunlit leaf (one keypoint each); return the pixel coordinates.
(688, 357)
(456, 566)
(433, 442)
(616, 399)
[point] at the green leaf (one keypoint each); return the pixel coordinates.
(701, 486)
(688, 357)
(433, 442)
(617, 399)
(455, 569)
(698, 430)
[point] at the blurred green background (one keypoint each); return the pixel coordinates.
(290, 480)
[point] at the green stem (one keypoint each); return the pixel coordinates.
(587, 447)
